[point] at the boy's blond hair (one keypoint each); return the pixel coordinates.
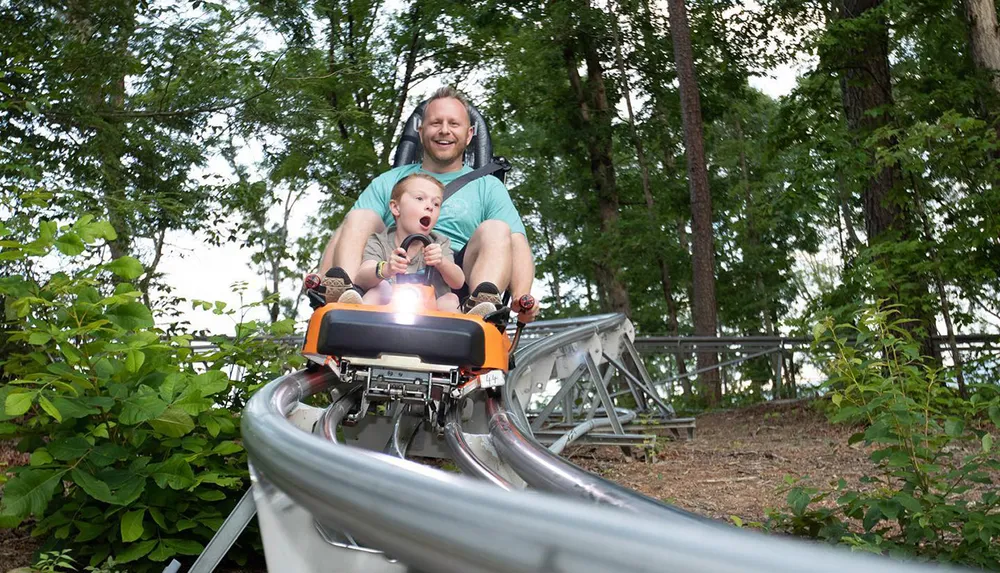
(400, 187)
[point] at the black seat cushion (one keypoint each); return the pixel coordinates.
(367, 334)
(478, 153)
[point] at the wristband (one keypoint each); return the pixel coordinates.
(380, 271)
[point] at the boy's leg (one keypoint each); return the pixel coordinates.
(379, 295)
(448, 302)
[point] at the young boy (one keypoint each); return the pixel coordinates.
(415, 204)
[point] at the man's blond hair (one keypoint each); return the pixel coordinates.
(400, 187)
(445, 92)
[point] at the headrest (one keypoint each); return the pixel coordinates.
(478, 153)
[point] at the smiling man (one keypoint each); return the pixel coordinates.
(482, 223)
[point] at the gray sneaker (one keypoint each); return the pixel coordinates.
(484, 300)
(336, 284)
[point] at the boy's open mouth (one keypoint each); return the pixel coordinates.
(425, 222)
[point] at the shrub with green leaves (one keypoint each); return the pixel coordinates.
(934, 495)
(133, 437)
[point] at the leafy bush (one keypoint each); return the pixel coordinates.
(934, 494)
(133, 436)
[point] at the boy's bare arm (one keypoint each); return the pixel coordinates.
(451, 273)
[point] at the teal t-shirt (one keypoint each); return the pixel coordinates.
(479, 200)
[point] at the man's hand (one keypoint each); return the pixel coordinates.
(432, 255)
(524, 315)
(397, 264)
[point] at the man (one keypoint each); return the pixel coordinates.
(480, 220)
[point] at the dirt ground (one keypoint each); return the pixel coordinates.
(734, 466)
(737, 462)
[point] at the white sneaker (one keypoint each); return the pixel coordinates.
(350, 296)
(483, 309)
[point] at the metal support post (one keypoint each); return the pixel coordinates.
(665, 408)
(224, 538)
(564, 391)
(602, 393)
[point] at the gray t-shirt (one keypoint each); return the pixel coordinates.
(381, 245)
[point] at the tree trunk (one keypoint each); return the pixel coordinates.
(866, 87)
(984, 37)
(703, 252)
(595, 117)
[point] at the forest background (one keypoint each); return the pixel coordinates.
(653, 178)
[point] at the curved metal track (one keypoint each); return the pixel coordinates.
(434, 521)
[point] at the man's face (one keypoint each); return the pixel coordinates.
(445, 131)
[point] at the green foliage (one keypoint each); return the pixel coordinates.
(934, 493)
(132, 434)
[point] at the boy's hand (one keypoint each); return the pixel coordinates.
(397, 263)
(432, 255)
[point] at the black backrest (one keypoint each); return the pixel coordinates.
(478, 153)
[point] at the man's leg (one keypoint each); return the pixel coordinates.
(487, 266)
(342, 256)
(347, 245)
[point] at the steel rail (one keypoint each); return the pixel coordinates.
(578, 431)
(545, 471)
(464, 456)
(441, 522)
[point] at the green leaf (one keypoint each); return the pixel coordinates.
(284, 327)
(30, 491)
(131, 525)
(40, 458)
(211, 382)
(130, 316)
(126, 267)
(68, 449)
(140, 408)
(994, 412)
(173, 423)
(89, 531)
(174, 473)
(173, 385)
(954, 427)
(987, 443)
(129, 491)
(161, 553)
(49, 408)
(94, 487)
(226, 448)
(135, 551)
(73, 408)
(39, 338)
(185, 546)
(134, 360)
(211, 495)
(70, 244)
(18, 404)
(212, 426)
(107, 454)
(798, 499)
(157, 516)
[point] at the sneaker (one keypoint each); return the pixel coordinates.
(350, 296)
(484, 300)
(337, 284)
